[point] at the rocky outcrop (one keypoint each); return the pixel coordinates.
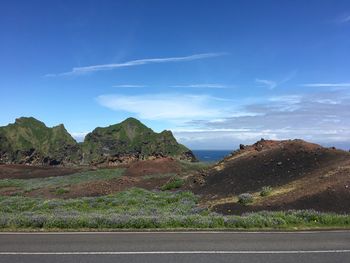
(131, 140)
(29, 141)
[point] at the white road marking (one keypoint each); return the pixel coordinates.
(179, 252)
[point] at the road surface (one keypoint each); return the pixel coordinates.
(310, 247)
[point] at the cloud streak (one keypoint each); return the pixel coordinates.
(195, 86)
(166, 106)
(272, 84)
(327, 85)
(129, 86)
(343, 19)
(205, 85)
(138, 62)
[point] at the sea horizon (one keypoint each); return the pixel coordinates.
(209, 156)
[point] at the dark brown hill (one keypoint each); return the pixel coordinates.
(302, 176)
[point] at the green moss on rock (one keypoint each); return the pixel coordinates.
(29, 141)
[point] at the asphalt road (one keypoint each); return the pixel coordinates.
(310, 247)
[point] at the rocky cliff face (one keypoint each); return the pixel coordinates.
(128, 141)
(29, 141)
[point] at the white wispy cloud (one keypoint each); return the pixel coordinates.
(321, 117)
(272, 84)
(166, 106)
(129, 86)
(327, 85)
(267, 83)
(343, 19)
(202, 85)
(138, 62)
(346, 19)
(198, 86)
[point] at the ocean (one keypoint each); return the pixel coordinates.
(210, 155)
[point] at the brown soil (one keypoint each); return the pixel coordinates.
(113, 186)
(137, 168)
(153, 167)
(99, 188)
(319, 177)
(17, 171)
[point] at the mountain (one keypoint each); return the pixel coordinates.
(29, 141)
(131, 140)
(300, 175)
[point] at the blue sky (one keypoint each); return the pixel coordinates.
(216, 73)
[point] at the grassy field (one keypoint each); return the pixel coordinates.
(141, 209)
(61, 181)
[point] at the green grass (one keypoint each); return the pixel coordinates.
(4, 183)
(142, 209)
(62, 181)
(135, 201)
(61, 191)
(174, 183)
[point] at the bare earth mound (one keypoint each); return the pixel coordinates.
(152, 167)
(302, 176)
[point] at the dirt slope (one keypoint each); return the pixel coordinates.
(153, 167)
(20, 171)
(302, 176)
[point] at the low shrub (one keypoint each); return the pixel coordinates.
(61, 191)
(245, 199)
(173, 184)
(265, 191)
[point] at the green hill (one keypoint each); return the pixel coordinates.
(131, 140)
(29, 141)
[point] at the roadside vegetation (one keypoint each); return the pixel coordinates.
(141, 209)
